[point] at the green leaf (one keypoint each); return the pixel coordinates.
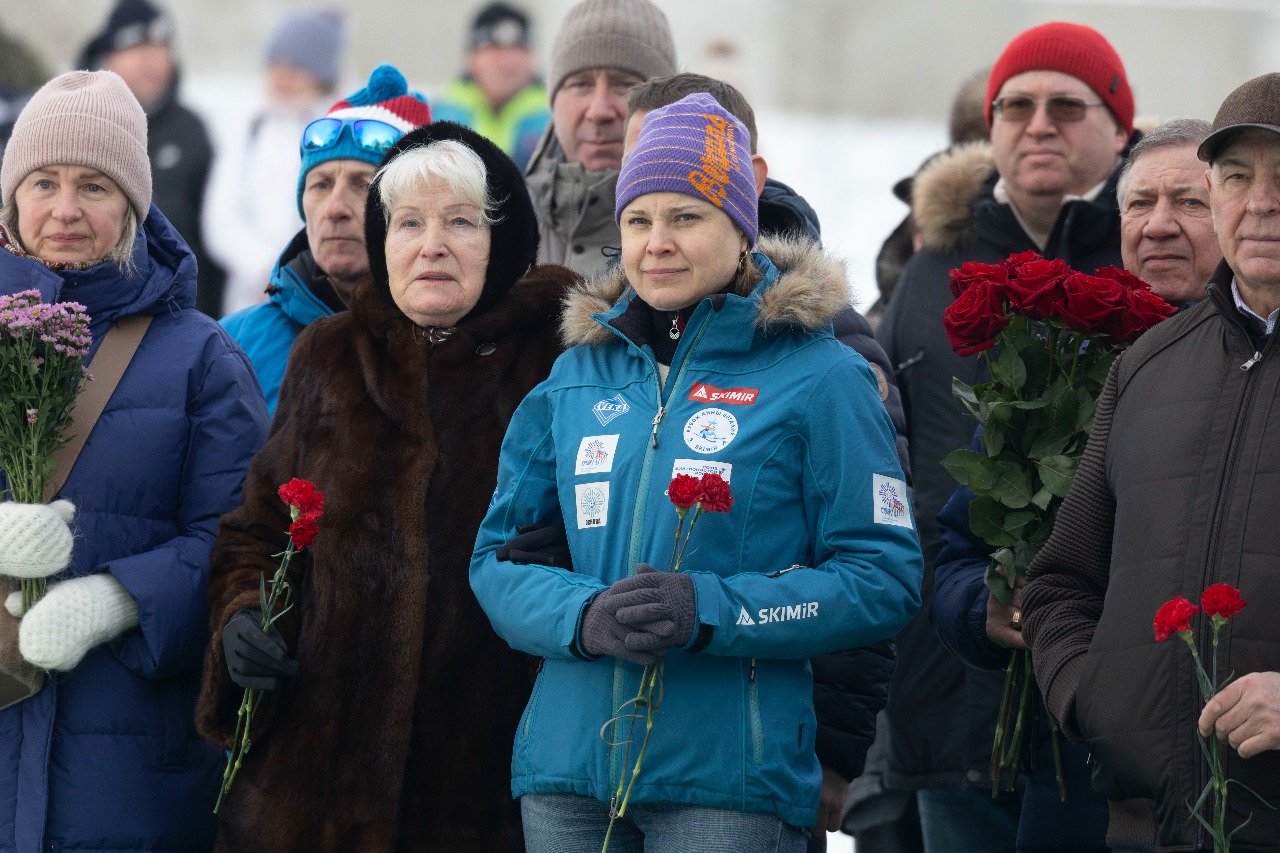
(1012, 485)
(1051, 442)
(1084, 413)
(986, 520)
(1009, 371)
(967, 397)
(957, 464)
(1042, 498)
(993, 441)
(1057, 472)
(1016, 523)
(998, 581)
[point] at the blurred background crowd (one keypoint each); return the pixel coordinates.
(850, 96)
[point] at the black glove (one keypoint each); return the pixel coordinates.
(541, 545)
(658, 605)
(254, 659)
(602, 634)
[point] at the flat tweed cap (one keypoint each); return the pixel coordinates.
(1255, 103)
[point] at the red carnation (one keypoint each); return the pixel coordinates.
(684, 491)
(303, 496)
(715, 494)
(1222, 600)
(975, 318)
(1174, 617)
(972, 272)
(303, 531)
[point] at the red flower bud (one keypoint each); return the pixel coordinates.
(1174, 617)
(684, 491)
(975, 318)
(303, 496)
(1222, 600)
(715, 494)
(303, 531)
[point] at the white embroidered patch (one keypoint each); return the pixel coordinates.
(593, 504)
(889, 502)
(595, 454)
(698, 467)
(710, 431)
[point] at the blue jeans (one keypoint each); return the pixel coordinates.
(566, 823)
(961, 821)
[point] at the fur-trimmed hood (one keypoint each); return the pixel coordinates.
(943, 192)
(809, 289)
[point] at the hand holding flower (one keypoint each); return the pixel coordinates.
(656, 603)
(255, 660)
(1246, 714)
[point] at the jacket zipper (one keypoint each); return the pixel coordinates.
(1214, 550)
(533, 699)
(646, 470)
(757, 729)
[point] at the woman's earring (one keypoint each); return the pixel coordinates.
(742, 262)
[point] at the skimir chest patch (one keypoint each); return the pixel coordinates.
(703, 393)
(592, 500)
(595, 454)
(710, 431)
(889, 502)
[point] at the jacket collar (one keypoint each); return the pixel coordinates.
(953, 201)
(803, 290)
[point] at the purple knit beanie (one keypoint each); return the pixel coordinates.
(697, 148)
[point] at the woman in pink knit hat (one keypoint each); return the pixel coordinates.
(104, 755)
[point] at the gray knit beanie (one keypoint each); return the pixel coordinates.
(631, 35)
(311, 40)
(82, 118)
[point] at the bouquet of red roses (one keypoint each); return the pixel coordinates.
(1048, 335)
(306, 505)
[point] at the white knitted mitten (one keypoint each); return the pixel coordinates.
(73, 617)
(35, 541)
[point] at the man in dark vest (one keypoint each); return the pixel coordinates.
(1178, 490)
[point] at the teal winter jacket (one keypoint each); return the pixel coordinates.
(819, 552)
(266, 331)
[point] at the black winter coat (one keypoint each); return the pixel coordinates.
(849, 687)
(181, 156)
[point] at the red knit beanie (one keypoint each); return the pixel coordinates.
(1071, 49)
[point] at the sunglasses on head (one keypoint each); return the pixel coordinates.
(1062, 109)
(368, 133)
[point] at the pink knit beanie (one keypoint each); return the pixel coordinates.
(82, 118)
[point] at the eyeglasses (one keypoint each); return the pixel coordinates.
(1061, 109)
(368, 133)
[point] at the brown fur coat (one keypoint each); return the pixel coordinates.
(396, 733)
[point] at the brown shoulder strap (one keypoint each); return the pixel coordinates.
(109, 364)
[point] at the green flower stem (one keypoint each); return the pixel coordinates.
(650, 683)
(697, 513)
(241, 741)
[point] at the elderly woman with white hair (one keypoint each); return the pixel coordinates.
(105, 755)
(394, 732)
